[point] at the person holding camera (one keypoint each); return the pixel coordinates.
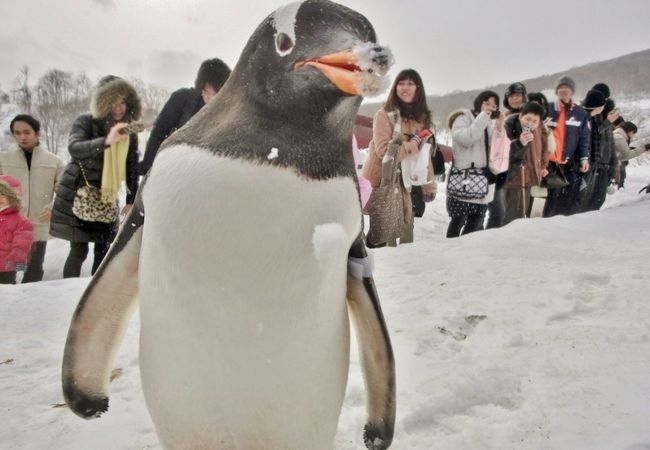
(528, 159)
(472, 132)
(104, 150)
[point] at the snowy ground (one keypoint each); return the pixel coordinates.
(533, 336)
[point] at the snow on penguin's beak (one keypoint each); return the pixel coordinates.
(360, 71)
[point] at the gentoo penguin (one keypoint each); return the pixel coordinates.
(245, 248)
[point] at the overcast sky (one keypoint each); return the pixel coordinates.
(454, 44)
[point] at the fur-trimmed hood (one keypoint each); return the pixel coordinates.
(110, 90)
(453, 116)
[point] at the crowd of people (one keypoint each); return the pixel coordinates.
(42, 197)
(571, 154)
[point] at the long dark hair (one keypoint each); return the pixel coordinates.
(418, 110)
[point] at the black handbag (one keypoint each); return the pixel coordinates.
(467, 184)
(555, 179)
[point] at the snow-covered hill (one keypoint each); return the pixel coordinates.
(533, 336)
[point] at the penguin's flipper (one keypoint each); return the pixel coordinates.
(375, 349)
(99, 322)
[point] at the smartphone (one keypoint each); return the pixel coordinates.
(528, 129)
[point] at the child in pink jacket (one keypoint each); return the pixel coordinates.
(16, 231)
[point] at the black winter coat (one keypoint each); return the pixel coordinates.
(86, 146)
(179, 109)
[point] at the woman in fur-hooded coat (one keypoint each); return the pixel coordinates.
(114, 104)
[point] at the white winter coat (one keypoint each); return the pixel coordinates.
(468, 144)
(37, 184)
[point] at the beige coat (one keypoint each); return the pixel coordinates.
(37, 184)
(382, 133)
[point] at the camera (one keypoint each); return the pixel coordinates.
(132, 127)
(495, 114)
(527, 129)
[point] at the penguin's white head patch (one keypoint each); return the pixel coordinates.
(284, 22)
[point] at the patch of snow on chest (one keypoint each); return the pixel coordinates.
(327, 239)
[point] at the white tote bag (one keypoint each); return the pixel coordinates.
(415, 168)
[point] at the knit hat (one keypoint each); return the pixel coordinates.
(594, 99)
(514, 88)
(10, 188)
(566, 81)
(603, 88)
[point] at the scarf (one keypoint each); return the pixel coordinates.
(114, 171)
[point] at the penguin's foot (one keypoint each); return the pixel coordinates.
(86, 406)
(377, 437)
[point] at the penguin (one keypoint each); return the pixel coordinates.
(244, 252)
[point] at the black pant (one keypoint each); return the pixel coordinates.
(77, 256)
(565, 201)
(465, 225)
(597, 190)
(8, 277)
(34, 270)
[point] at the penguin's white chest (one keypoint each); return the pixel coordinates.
(245, 339)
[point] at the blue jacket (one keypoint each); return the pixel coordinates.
(578, 131)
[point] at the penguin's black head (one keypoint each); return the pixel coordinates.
(311, 52)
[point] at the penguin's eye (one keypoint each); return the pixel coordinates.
(283, 42)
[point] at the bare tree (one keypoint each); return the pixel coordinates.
(60, 98)
(22, 93)
(153, 98)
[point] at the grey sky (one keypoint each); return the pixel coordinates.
(454, 44)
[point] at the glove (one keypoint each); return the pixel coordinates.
(21, 267)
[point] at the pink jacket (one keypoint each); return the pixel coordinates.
(16, 236)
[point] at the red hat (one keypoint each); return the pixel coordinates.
(12, 182)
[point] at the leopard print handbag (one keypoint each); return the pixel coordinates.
(89, 205)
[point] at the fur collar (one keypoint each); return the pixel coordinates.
(107, 94)
(455, 115)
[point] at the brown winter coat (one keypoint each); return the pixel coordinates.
(537, 154)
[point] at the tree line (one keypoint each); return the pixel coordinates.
(58, 97)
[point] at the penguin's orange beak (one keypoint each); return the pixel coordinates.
(340, 68)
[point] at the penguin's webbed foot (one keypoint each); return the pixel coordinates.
(377, 437)
(86, 406)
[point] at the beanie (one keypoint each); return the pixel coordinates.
(514, 88)
(603, 88)
(593, 99)
(566, 81)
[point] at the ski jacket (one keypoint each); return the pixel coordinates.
(577, 136)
